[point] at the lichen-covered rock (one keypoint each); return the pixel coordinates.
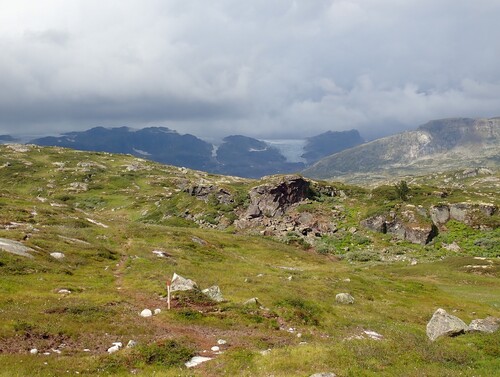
(488, 325)
(344, 298)
(180, 283)
(214, 293)
(444, 324)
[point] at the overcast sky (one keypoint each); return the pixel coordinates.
(264, 68)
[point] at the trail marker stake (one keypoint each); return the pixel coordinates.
(169, 283)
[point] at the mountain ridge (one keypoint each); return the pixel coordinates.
(438, 145)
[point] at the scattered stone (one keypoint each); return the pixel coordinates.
(182, 284)
(97, 223)
(160, 254)
(253, 301)
(444, 324)
(197, 360)
(86, 350)
(221, 342)
(199, 241)
(214, 293)
(452, 247)
(34, 351)
(373, 335)
(324, 374)
(131, 344)
(265, 352)
(113, 349)
(146, 313)
(64, 291)
(57, 255)
(15, 247)
(488, 325)
(344, 298)
(118, 344)
(215, 348)
(157, 311)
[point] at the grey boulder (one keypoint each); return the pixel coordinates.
(344, 298)
(180, 283)
(488, 325)
(214, 293)
(444, 324)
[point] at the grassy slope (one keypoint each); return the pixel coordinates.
(113, 275)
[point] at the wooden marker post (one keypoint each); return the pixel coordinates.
(169, 282)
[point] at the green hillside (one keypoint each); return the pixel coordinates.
(126, 225)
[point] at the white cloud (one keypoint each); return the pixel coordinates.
(259, 68)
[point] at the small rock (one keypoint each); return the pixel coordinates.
(86, 350)
(265, 352)
(57, 255)
(64, 291)
(344, 298)
(113, 349)
(324, 374)
(157, 311)
(34, 351)
(131, 344)
(252, 301)
(118, 344)
(215, 348)
(180, 283)
(196, 360)
(373, 335)
(146, 313)
(446, 324)
(488, 325)
(221, 342)
(214, 293)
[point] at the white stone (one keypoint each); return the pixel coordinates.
(113, 349)
(118, 344)
(221, 342)
(86, 350)
(64, 291)
(373, 335)
(214, 293)
(197, 360)
(57, 255)
(146, 313)
(34, 351)
(157, 311)
(215, 348)
(344, 298)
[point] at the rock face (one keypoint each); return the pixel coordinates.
(182, 284)
(406, 225)
(205, 192)
(214, 293)
(462, 212)
(488, 325)
(344, 298)
(444, 324)
(274, 200)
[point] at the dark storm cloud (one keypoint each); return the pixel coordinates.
(260, 68)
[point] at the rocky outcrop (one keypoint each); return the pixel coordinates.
(273, 200)
(205, 192)
(406, 225)
(444, 324)
(466, 213)
(15, 247)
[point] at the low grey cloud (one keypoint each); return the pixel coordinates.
(267, 69)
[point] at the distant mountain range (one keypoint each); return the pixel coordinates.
(438, 145)
(236, 155)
